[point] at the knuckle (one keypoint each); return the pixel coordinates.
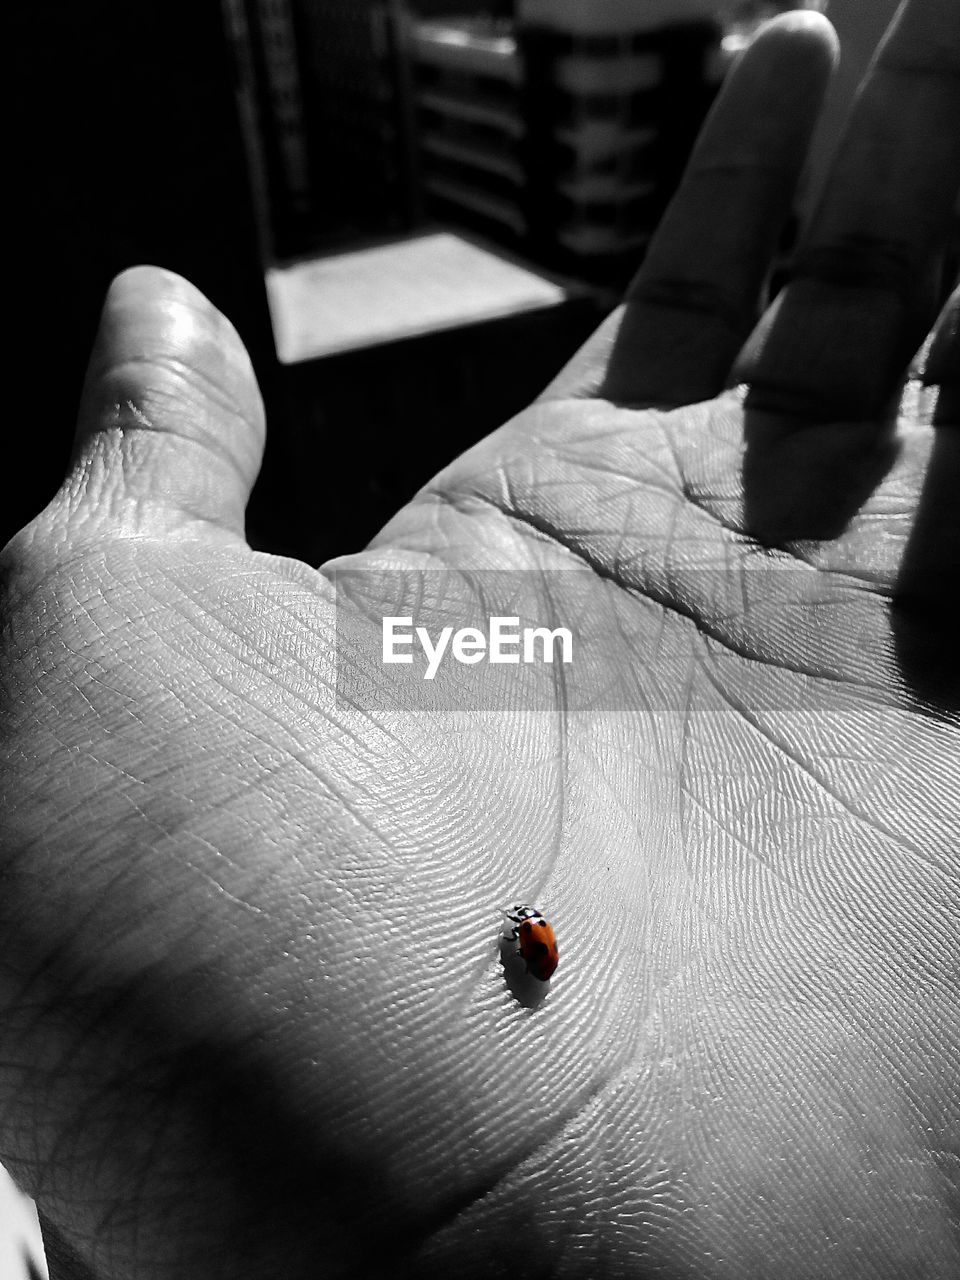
(859, 261)
(695, 296)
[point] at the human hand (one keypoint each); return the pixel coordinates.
(255, 1021)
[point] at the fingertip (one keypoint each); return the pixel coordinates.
(808, 27)
(146, 306)
(695, 297)
(144, 279)
(171, 419)
(798, 46)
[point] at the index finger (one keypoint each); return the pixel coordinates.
(697, 294)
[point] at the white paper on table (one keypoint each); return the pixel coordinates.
(370, 296)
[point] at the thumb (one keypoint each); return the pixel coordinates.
(170, 431)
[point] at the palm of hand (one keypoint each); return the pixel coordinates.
(738, 849)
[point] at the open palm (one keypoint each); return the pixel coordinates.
(257, 1020)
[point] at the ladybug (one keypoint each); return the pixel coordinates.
(535, 940)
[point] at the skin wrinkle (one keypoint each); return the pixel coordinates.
(626, 1072)
(164, 830)
(146, 413)
(877, 589)
(181, 380)
(732, 835)
(238, 718)
(513, 1169)
(798, 800)
(692, 298)
(136, 449)
(543, 528)
(683, 488)
(152, 512)
(824, 937)
(254, 651)
(897, 838)
(134, 926)
(245, 653)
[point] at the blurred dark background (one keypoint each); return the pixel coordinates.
(243, 141)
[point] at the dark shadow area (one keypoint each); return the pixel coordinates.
(274, 1189)
(276, 1186)
(528, 991)
(925, 614)
(367, 429)
(797, 487)
(63, 1261)
(126, 150)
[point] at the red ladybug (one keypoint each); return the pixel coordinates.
(535, 941)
